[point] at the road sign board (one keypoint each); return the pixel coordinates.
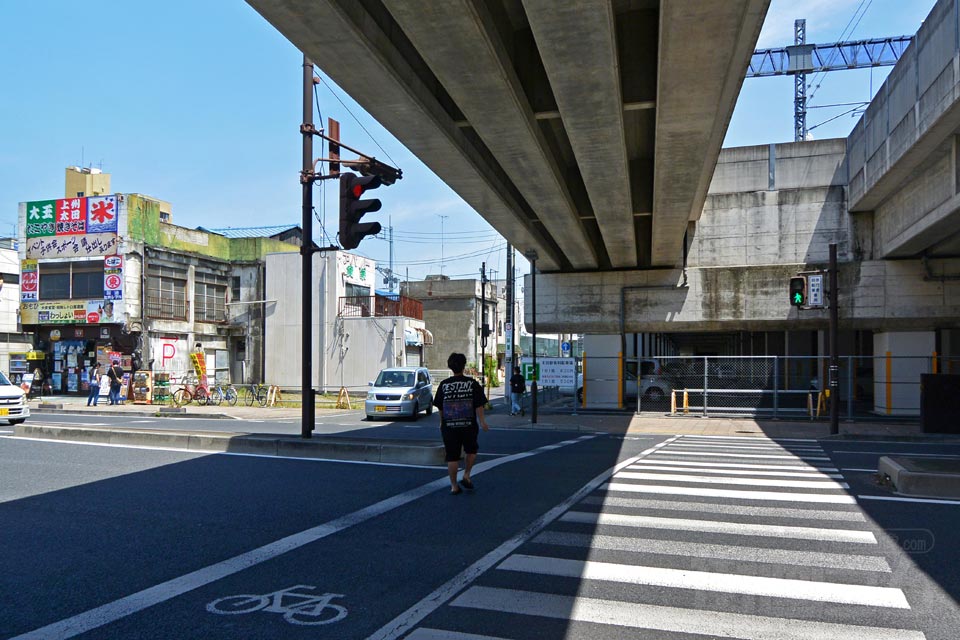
(815, 290)
(565, 346)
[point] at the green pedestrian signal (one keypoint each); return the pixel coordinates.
(798, 291)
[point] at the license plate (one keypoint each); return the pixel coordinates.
(4, 412)
(380, 408)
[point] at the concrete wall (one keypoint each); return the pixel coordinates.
(900, 358)
(742, 253)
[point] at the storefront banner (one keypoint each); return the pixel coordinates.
(77, 246)
(68, 312)
(71, 216)
(113, 278)
(29, 281)
(102, 214)
(41, 220)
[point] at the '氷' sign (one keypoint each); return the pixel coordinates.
(72, 216)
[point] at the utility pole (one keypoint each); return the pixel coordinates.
(799, 86)
(510, 318)
(442, 218)
(393, 279)
(483, 322)
(308, 410)
(531, 255)
(834, 371)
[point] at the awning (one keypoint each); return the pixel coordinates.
(412, 338)
(427, 336)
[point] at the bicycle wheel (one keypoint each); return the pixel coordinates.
(232, 605)
(249, 395)
(182, 397)
(230, 395)
(262, 396)
(216, 396)
(200, 396)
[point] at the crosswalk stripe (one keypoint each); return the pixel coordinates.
(748, 482)
(741, 447)
(734, 465)
(741, 438)
(811, 473)
(758, 456)
(442, 634)
(735, 509)
(717, 551)
(809, 590)
(729, 493)
(719, 526)
(670, 619)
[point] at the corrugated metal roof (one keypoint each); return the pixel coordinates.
(251, 232)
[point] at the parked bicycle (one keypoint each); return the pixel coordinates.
(255, 393)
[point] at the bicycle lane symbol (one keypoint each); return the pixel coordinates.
(296, 607)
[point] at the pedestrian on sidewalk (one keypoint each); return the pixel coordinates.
(94, 375)
(518, 386)
(116, 381)
(460, 400)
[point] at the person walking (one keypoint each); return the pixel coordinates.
(518, 386)
(460, 400)
(116, 381)
(94, 375)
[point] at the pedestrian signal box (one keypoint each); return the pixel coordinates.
(798, 291)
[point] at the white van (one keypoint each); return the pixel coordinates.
(13, 402)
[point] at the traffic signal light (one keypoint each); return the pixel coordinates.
(798, 291)
(352, 208)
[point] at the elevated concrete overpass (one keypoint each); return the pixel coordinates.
(587, 131)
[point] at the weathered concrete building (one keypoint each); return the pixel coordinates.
(356, 331)
(455, 312)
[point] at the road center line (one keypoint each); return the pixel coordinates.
(128, 605)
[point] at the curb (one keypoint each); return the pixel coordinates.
(148, 414)
(319, 447)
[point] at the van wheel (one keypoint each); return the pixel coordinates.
(416, 412)
(654, 394)
(430, 407)
(17, 421)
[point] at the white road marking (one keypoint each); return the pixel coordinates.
(909, 454)
(757, 456)
(743, 447)
(817, 513)
(809, 590)
(128, 605)
(719, 526)
(851, 469)
(733, 465)
(675, 619)
(903, 499)
(666, 466)
(729, 493)
(412, 616)
(748, 438)
(436, 634)
(748, 482)
(717, 551)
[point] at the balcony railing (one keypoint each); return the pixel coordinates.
(166, 308)
(382, 306)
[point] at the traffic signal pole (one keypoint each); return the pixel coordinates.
(308, 409)
(834, 372)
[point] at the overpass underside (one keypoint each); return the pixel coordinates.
(585, 131)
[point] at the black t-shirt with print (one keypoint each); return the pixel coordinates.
(458, 398)
(517, 383)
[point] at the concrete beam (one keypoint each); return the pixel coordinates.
(578, 47)
(705, 47)
(460, 43)
(381, 79)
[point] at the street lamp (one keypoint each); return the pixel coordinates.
(531, 255)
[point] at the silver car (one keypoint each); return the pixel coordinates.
(400, 391)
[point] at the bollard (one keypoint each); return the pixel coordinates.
(686, 402)
(673, 401)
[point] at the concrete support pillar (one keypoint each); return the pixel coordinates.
(899, 357)
(603, 370)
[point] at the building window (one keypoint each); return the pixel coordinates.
(210, 298)
(355, 291)
(71, 280)
(235, 289)
(166, 293)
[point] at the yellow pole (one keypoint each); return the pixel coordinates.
(686, 401)
(673, 401)
(889, 385)
(934, 362)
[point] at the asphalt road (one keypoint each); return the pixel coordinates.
(692, 536)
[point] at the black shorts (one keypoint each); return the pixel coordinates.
(462, 437)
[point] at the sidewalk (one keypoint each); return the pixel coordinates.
(624, 424)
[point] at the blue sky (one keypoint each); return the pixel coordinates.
(198, 103)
